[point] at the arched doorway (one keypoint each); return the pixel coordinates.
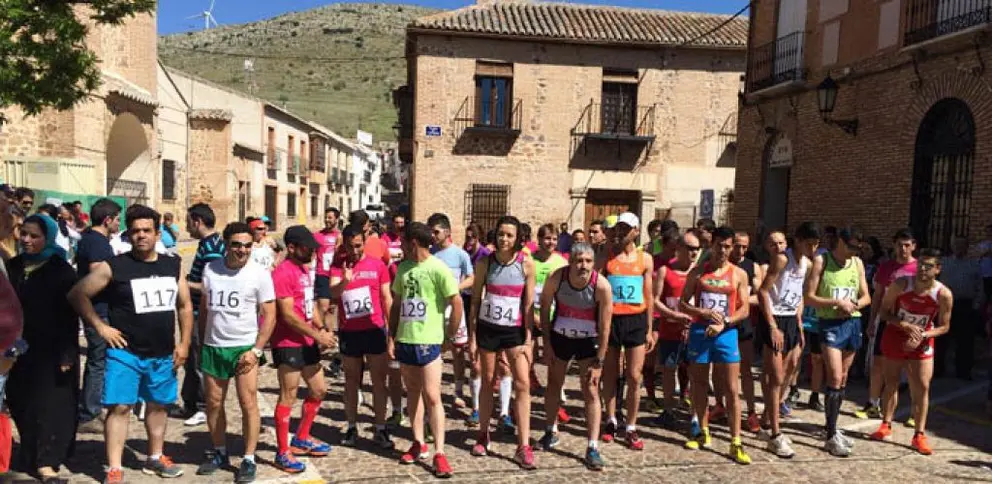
(942, 174)
(129, 166)
(775, 183)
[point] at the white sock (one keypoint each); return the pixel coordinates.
(505, 389)
(594, 444)
(155, 457)
(612, 420)
(564, 398)
(631, 428)
(250, 458)
(476, 388)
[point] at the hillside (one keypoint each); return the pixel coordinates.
(336, 64)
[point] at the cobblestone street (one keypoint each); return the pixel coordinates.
(960, 434)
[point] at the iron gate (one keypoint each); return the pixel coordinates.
(486, 203)
(942, 174)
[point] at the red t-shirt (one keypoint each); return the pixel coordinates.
(671, 293)
(325, 254)
(917, 309)
(292, 280)
(376, 248)
(360, 306)
(394, 245)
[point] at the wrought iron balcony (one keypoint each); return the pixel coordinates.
(777, 62)
(930, 19)
(489, 116)
(616, 121)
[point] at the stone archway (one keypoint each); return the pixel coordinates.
(130, 171)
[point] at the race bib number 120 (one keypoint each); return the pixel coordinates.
(154, 294)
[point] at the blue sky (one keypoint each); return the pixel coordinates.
(172, 13)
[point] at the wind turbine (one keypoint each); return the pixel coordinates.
(207, 16)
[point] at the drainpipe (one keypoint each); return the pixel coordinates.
(188, 108)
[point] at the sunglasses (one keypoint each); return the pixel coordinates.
(927, 267)
(239, 245)
(260, 229)
(693, 248)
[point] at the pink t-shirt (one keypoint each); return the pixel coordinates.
(360, 306)
(295, 281)
(395, 246)
(891, 270)
(325, 254)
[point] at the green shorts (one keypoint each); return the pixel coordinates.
(222, 363)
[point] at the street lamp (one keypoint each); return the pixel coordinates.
(826, 97)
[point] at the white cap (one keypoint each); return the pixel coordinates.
(629, 219)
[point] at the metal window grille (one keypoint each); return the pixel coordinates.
(168, 180)
(486, 203)
(290, 205)
(271, 194)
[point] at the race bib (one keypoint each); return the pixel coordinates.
(716, 301)
(327, 259)
(357, 303)
(576, 323)
(154, 294)
(920, 320)
(627, 289)
(226, 295)
(395, 254)
(308, 302)
(538, 290)
(500, 310)
(843, 293)
(788, 300)
(413, 310)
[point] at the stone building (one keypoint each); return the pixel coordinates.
(107, 144)
(872, 114)
(567, 113)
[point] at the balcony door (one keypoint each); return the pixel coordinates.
(619, 106)
(790, 37)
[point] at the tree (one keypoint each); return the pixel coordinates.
(44, 60)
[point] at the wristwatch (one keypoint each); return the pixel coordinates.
(258, 353)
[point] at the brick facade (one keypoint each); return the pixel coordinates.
(864, 180)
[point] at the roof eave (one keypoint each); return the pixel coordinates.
(537, 38)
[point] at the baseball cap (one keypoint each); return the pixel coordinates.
(265, 218)
(300, 235)
(629, 219)
(257, 224)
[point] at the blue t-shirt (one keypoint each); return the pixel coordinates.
(456, 259)
(93, 247)
(167, 239)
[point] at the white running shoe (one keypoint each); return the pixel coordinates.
(781, 446)
(198, 418)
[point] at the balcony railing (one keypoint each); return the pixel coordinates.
(273, 159)
(334, 176)
(777, 62)
(132, 191)
(487, 115)
(616, 122)
(929, 19)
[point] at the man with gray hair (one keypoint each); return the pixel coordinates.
(580, 331)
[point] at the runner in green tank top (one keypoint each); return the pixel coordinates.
(546, 261)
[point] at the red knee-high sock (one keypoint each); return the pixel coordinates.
(282, 427)
(310, 407)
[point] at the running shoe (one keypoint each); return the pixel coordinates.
(382, 439)
(650, 405)
(737, 453)
(310, 446)
(593, 460)
(115, 476)
(442, 469)
(563, 416)
(920, 443)
(350, 437)
(524, 458)
(212, 462)
(665, 420)
(836, 446)
(781, 446)
(633, 440)
(910, 423)
(753, 422)
(884, 432)
(844, 438)
(481, 447)
(609, 432)
(701, 441)
(416, 452)
(287, 463)
(198, 418)
(397, 420)
(428, 436)
(506, 426)
(162, 467)
(793, 397)
(717, 412)
(869, 411)
(473, 420)
(548, 441)
(784, 410)
(814, 403)
(246, 472)
(694, 428)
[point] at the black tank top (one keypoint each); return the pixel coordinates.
(748, 265)
(142, 303)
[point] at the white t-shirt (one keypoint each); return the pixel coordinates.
(264, 256)
(233, 298)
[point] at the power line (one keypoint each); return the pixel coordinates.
(286, 56)
(718, 27)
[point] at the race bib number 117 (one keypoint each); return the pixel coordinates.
(154, 294)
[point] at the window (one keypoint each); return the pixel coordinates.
(493, 94)
(619, 108)
(168, 179)
(486, 203)
(290, 204)
(244, 199)
(271, 194)
(270, 154)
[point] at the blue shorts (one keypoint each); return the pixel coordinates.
(671, 354)
(129, 377)
(322, 287)
(417, 355)
(721, 349)
(841, 334)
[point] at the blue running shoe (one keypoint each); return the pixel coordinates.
(694, 428)
(287, 463)
(311, 447)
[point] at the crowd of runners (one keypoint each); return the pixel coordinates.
(702, 306)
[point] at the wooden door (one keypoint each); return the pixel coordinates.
(603, 203)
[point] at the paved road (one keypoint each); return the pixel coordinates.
(960, 432)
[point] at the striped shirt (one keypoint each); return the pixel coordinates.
(210, 247)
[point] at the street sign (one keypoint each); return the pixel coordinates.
(433, 131)
(706, 204)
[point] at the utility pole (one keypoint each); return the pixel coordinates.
(249, 67)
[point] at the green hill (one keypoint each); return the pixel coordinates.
(336, 64)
